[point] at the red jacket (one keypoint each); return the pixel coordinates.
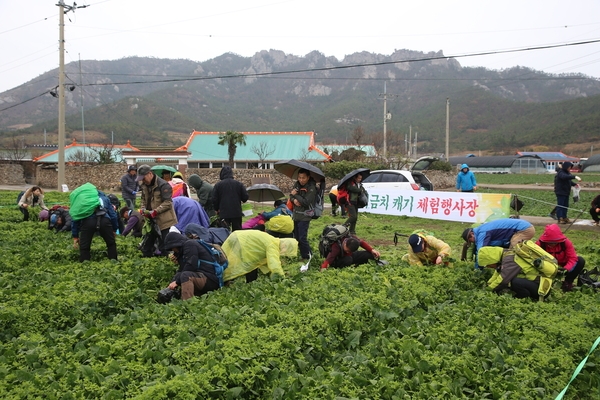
(557, 244)
(336, 251)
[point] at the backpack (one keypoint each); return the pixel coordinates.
(114, 200)
(19, 196)
(331, 234)
(178, 189)
(363, 199)
(319, 200)
(589, 278)
(343, 197)
(533, 254)
(219, 259)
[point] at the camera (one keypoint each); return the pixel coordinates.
(166, 295)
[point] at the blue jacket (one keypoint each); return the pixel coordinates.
(110, 214)
(279, 210)
(497, 233)
(465, 181)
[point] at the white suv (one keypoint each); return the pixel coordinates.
(397, 179)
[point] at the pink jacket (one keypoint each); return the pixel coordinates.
(557, 244)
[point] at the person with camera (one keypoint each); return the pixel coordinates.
(194, 277)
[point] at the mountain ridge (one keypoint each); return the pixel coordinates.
(150, 97)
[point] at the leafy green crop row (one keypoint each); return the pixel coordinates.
(75, 330)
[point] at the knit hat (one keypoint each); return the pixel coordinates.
(416, 243)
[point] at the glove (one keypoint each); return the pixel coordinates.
(150, 213)
(133, 192)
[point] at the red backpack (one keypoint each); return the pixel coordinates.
(343, 197)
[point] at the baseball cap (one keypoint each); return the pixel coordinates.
(132, 168)
(142, 171)
(416, 243)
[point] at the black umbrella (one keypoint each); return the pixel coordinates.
(264, 192)
(290, 169)
(362, 171)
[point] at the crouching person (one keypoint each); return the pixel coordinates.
(427, 250)
(522, 277)
(196, 274)
(250, 250)
(346, 253)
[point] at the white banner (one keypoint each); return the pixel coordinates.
(449, 206)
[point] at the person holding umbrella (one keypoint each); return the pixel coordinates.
(355, 190)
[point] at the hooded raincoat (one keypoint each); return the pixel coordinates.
(557, 244)
(465, 180)
(250, 249)
(189, 211)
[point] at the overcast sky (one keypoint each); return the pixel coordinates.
(201, 30)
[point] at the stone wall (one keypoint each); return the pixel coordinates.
(12, 174)
(108, 177)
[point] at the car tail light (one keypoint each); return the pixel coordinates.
(414, 186)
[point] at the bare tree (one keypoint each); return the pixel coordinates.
(94, 155)
(262, 151)
(358, 135)
(17, 150)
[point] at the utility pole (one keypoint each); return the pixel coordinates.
(61, 95)
(61, 89)
(386, 117)
(447, 128)
(81, 99)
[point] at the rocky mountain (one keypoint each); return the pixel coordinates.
(146, 99)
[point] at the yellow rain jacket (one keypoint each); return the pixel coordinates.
(435, 248)
(249, 249)
(511, 267)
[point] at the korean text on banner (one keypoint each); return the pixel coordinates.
(449, 206)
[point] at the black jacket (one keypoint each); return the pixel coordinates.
(190, 251)
(562, 183)
(228, 195)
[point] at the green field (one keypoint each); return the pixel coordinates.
(94, 330)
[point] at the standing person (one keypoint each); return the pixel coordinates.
(504, 232)
(228, 196)
(556, 169)
(355, 189)
(333, 192)
(561, 248)
(595, 210)
(135, 222)
(193, 276)
(302, 198)
(347, 253)
(157, 207)
(102, 220)
(427, 250)
(130, 187)
(34, 196)
(562, 189)
(204, 193)
(166, 175)
(465, 180)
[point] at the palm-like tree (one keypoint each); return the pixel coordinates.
(231, 139)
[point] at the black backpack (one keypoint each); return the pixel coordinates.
(331, 234)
